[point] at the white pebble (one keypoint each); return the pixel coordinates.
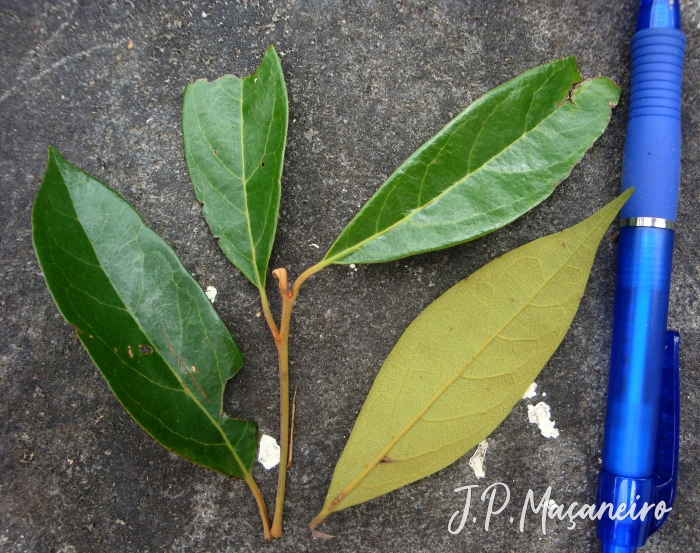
(269, 454)
(477, 460)
(211, 293)
(540, 415)
(531, 391)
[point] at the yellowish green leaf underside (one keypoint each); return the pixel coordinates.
(464, 362)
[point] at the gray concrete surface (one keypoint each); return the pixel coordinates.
(368, 83)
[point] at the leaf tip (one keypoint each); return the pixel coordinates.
(616, 92)
(53, 153)
(603, 88)
(622, 198)
(571, 60)
(271, 52)
(614, 206)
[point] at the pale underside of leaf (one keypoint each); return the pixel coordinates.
(145, 322)
(500, 157)
(234, 132)
(464, 362)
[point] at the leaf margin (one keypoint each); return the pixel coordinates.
(257, 277)
(334, 499)
(346, 256)
(55, 158)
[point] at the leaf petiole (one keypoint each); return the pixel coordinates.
(261, 504)
(268, 314)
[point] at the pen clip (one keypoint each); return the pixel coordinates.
(666, 463)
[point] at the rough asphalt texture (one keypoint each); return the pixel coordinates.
(368, 83)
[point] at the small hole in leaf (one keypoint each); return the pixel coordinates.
(146, 350)
(262, 164)
(216, 153)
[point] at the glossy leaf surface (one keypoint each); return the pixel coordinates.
(465, 361)
(145, 322)
(499, 158)
(234, 132)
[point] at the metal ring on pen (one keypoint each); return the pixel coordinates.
(654, 222)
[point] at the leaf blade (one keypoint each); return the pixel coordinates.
(500, 157)
(234, 131)
(487, 350)
(144, 321)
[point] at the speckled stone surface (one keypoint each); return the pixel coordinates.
(368, 83)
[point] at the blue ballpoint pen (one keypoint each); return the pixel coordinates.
(640, 448)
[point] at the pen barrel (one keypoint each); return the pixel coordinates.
(640, 447)
(652, 154)
(637, 356)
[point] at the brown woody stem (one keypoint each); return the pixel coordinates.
(281, 337)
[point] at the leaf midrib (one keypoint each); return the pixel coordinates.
(416, 210)
(186, 390)
(244, 182)
(385, 451)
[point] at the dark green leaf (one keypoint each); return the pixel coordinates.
(499, 158)
(145, 322)
(235, 132)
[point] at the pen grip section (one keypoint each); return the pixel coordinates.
(657, 72)
(652, 153)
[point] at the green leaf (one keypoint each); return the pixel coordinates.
(496, 160)
(145, 322)
(235, 132)
(464, 362)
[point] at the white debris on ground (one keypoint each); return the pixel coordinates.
(211, 293)
(477, 460)
(531, 391)
(269, 453)
(540, 415)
